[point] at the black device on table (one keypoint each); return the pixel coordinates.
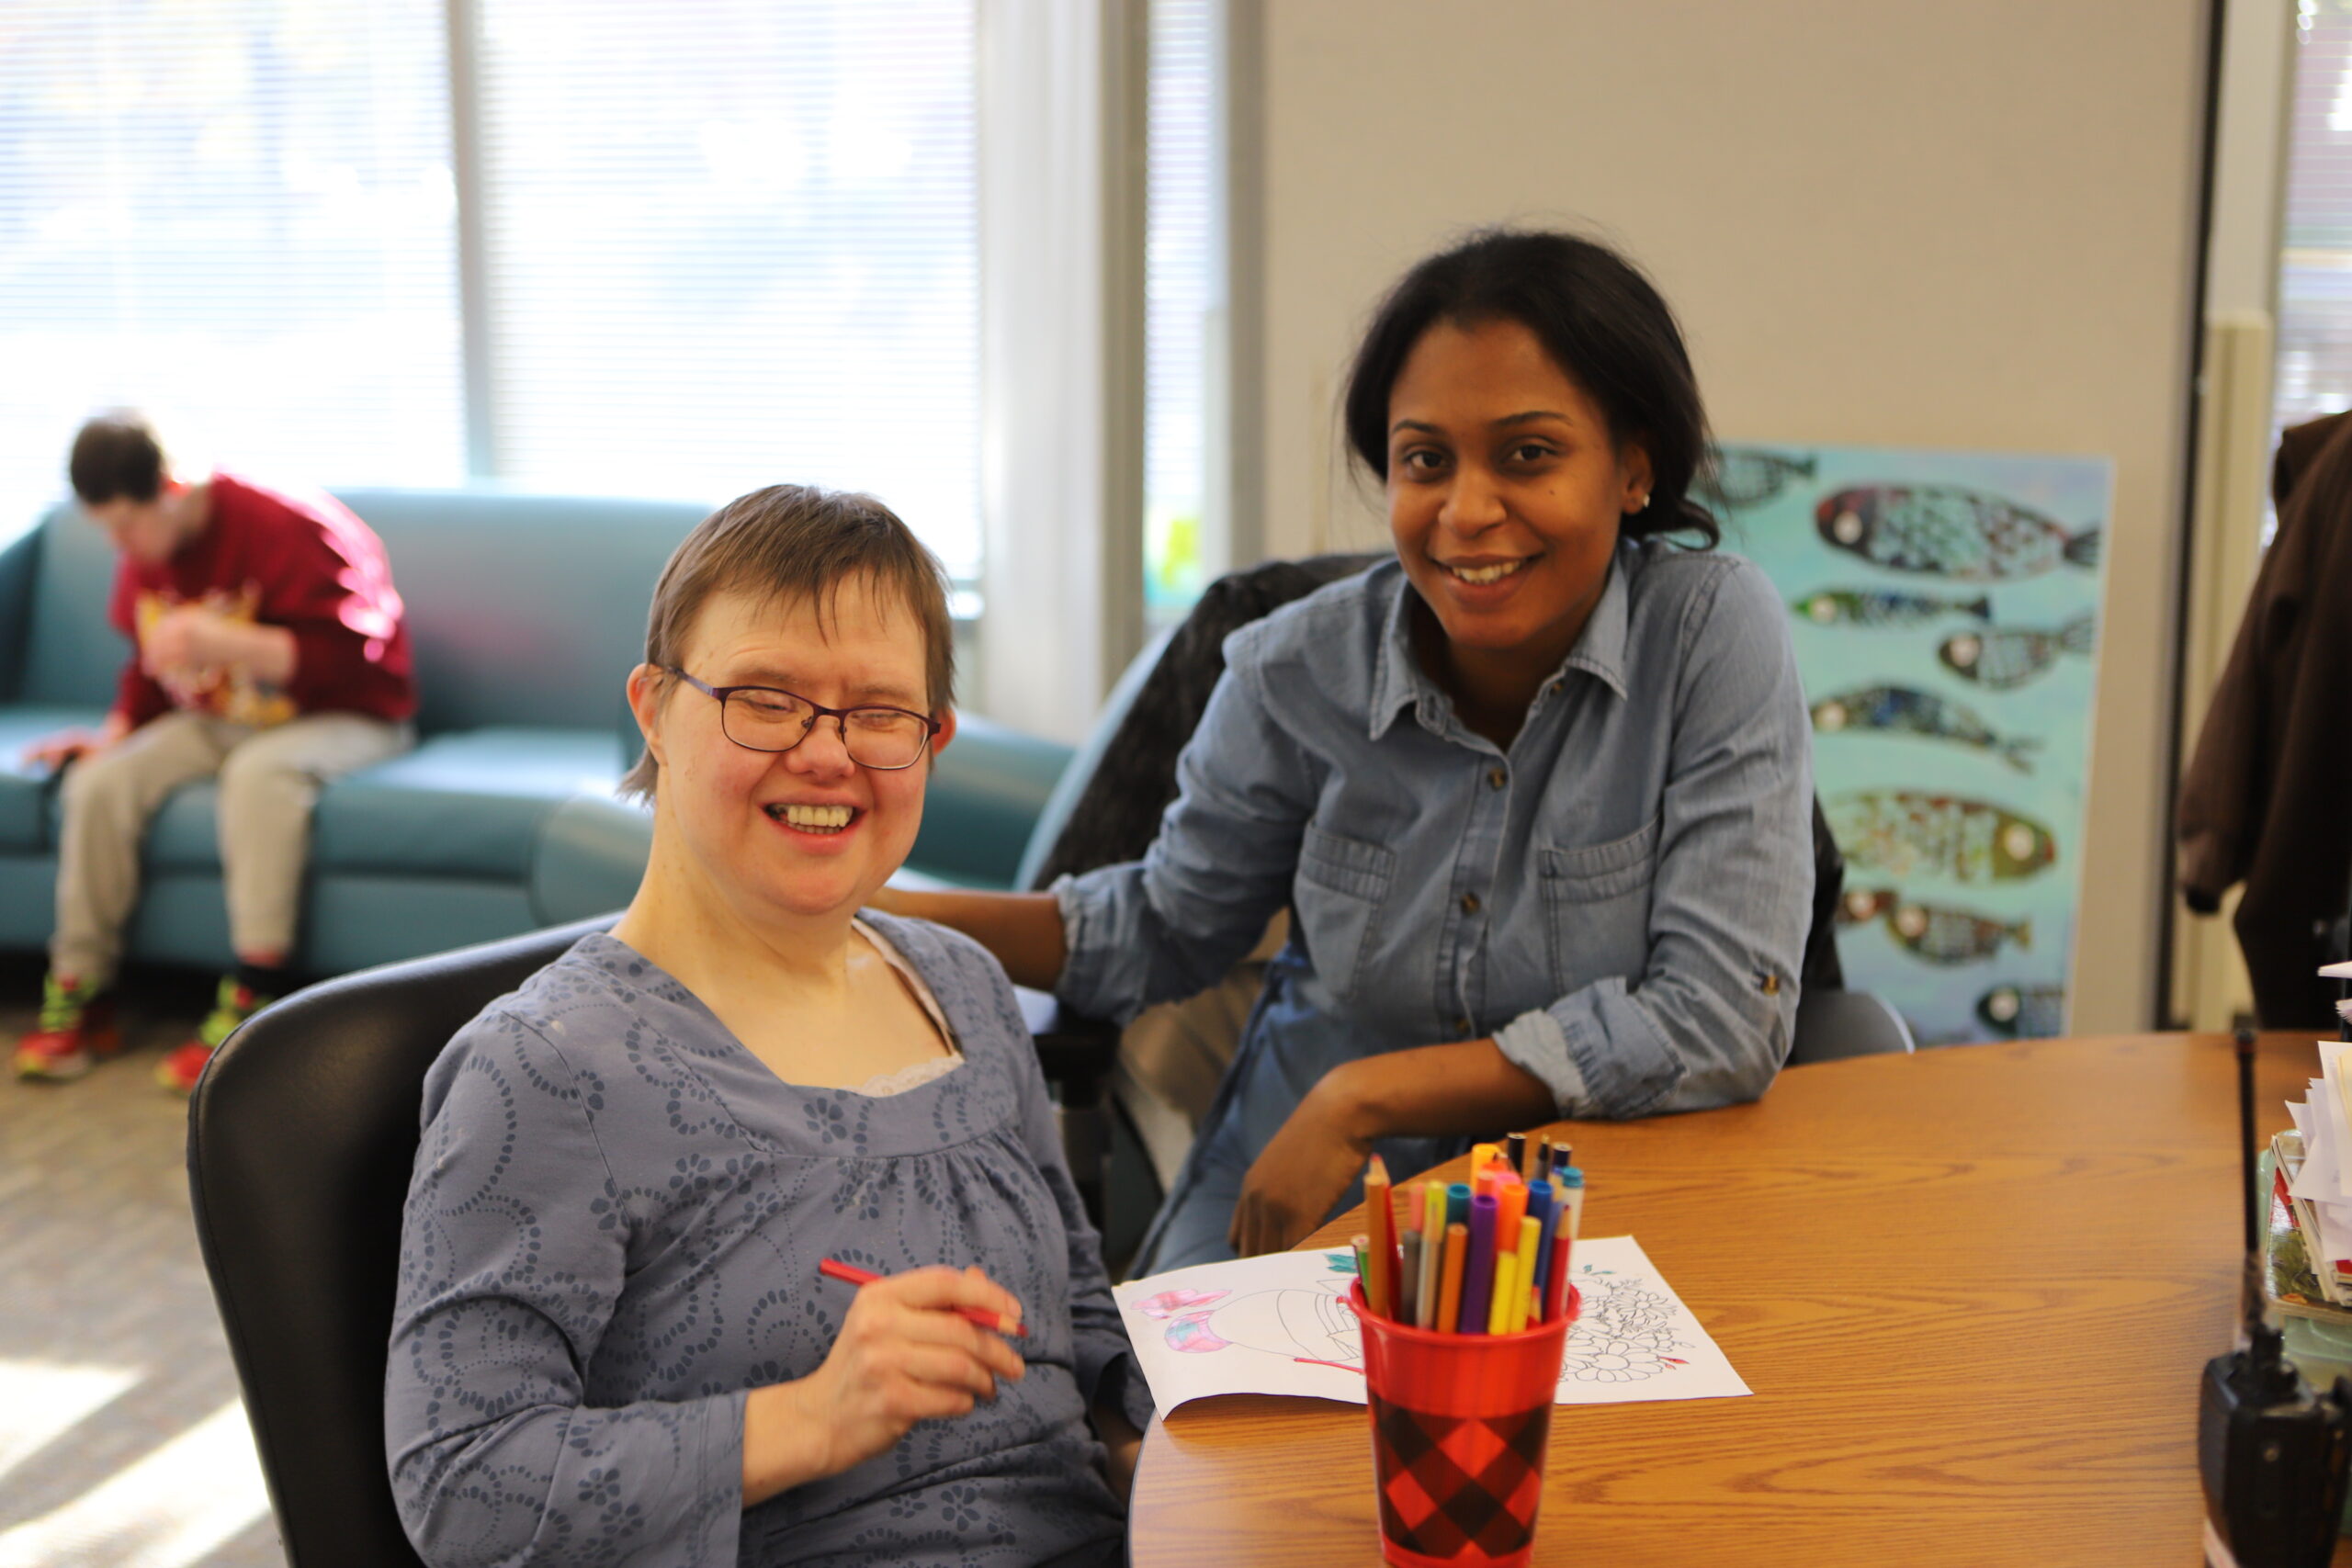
(2272, 1453)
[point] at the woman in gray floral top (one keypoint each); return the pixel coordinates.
(612, 1344)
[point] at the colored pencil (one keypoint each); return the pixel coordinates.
(1448, 1289)
(1478, 1266)
(1380, 1291)
(1361, 1247)
(1506, 1287)
(1433, 1199)
(850, 1274)
(1530, 1241)
(1409, 1260)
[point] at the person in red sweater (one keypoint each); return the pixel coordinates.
(269, 651)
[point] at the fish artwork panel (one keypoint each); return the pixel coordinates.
(1747, 477)
(1951, 531)
(1905, 710)
(1870, 608)
(2024, 1011)
(2007, 657)
(1902, 833)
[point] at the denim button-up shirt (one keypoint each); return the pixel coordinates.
(1620, 898)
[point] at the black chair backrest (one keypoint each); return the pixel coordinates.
(300, 1139)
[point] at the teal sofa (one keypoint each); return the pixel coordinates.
(527, 613)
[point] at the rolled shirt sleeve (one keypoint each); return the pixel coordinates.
(514, 1249)
(1710, 1020)
(1174, 924)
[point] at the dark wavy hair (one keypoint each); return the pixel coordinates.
(1603, 323)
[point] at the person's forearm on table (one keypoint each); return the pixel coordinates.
(1432, 1091)
(1022, 930)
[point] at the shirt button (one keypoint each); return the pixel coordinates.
(1497, 779)
(1462, 1025)
(1469, 903)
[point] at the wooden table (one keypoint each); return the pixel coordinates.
(1971, 1290)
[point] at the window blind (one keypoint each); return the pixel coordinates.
(731, 244)
(238, 216)
(1179, 284)
(2316, 270)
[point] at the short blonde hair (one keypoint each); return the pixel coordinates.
(799, 544)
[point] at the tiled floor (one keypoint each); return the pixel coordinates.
(109, 1352)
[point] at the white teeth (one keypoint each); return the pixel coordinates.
(1482, 574)
(816, 818)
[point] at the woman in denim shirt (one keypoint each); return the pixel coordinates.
(1538, 790)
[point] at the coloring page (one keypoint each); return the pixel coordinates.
(1284, 1325)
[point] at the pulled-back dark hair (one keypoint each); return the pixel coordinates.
(116, 455)
(1602, 322)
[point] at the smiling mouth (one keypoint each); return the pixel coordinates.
(823, 820)
(1479, 576)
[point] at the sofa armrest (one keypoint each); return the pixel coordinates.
(588, 859)
(19, 557)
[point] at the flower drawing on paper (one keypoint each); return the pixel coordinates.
(1624, 1333)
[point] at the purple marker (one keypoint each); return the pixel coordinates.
(1479, 1269)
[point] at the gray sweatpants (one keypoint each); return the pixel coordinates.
(269, 780)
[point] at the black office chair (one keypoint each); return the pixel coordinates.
(300, 1141)
(300, 1138)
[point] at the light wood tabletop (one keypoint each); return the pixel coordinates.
(1971, 1289)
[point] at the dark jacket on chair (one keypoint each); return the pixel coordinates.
(2264, 801)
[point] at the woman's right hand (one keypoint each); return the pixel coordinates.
(903, 1354)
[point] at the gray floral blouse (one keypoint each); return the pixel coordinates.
(613, 1233)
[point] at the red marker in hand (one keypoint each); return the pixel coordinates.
(850, 1274)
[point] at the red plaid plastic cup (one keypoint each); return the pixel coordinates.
(1459, 1426)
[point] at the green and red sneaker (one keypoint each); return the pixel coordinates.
(232, 1005)
(74, 1033)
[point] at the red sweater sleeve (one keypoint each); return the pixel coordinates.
(328, 583)
(137, 696)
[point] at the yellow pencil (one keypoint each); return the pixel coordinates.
(1530, 1236)
(1449, 1290)
(1506, 1287)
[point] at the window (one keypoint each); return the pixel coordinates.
(733, 242)
(2316, 270)
(237, 215)
(725, 242)
(1179, 291)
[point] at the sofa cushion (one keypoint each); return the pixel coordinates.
(465, 805)
(24, 791)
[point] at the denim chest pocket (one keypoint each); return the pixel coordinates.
(1341, 890)
(1596, 905)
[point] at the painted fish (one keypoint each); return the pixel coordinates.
(2004, 657)
(1942, 935)
(1866, 607)
(1903, 832)
(1949, 532)
(1902, 710)
(2024, 1011)
(1745, 477)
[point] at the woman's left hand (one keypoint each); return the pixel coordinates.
(1310, 1162)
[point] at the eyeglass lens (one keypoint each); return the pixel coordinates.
(777, 721)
